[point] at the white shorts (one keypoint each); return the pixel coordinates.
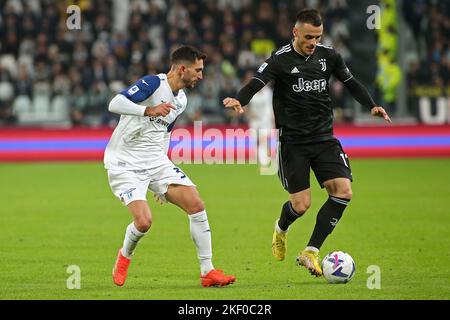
(131, 185)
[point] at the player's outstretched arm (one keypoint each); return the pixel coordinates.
(244, 95)
(122, 105)
(360, 94)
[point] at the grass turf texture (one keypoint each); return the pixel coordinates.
(55, 215)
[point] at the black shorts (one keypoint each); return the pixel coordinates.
(327, 159)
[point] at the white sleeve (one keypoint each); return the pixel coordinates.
(121, 105)
(166, 142)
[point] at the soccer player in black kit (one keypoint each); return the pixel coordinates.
(304, 117)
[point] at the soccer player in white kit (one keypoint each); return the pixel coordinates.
(136, 160)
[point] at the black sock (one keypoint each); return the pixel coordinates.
(327, 218)
(288, 216)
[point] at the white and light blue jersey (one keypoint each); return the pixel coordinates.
(138, 141)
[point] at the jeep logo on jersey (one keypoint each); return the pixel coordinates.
(305, 85)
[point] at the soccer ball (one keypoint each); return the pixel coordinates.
(338, 267)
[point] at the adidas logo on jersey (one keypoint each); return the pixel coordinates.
(295, 70)
(305, 85)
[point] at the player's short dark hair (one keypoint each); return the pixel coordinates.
(310, 16)
(187, 53)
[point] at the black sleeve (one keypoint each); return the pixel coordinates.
(266, 73)
(268, 70)
(357, 90)
(249, 90)
(360, 93)
(340, 69)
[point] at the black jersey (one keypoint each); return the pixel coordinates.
(301, 100)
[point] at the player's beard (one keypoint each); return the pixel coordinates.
(192, 84)
(189, 84)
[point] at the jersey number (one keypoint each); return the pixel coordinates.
(177, 170)
(343, 156)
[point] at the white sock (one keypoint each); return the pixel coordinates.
(277, 227)
(201, 235)
(132, 237)
(313, 249)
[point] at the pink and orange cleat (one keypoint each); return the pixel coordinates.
(120, 269)
(216, 278)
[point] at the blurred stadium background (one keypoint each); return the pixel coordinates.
(52, 77)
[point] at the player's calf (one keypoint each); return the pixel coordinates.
(327, 219)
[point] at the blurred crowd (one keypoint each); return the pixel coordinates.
(50, 74)
(429, 21)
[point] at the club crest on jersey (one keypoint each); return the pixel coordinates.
(305, 85)
(133, 90)
(127, 194)
(323, 63)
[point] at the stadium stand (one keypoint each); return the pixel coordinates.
(53, 76)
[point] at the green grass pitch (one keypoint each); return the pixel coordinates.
(54, 215)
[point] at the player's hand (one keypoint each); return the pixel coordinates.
(157, 199)
(233, 103)
(380, 112)
(162, 109)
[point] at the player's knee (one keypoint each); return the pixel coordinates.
(300, 206)
(143, 223)
(346, 193)
(195, 206)
(349, 194)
